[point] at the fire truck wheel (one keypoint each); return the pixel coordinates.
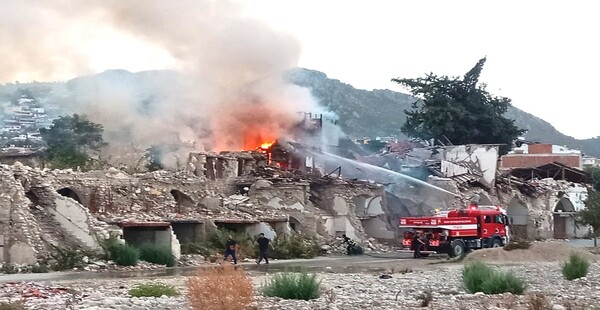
(496, 243)
(457, 248)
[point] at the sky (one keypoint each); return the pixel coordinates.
(541, 54)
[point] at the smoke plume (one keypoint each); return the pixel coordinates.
(229, 92)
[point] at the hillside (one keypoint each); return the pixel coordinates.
(361, 113)
(380, 112)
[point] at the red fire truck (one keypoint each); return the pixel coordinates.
(455, 232)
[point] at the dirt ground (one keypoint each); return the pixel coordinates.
(538, 252)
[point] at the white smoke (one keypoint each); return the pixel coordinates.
(231, 69)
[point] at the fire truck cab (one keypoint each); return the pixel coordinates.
(455, 232)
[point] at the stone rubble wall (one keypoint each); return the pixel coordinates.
(19, 234)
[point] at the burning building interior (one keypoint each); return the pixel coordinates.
(275, 187)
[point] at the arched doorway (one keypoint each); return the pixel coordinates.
(33, 198)
(564, 223)
(518, 216)
(294, 224)
(67, 192)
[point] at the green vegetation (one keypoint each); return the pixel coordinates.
(9, 268)
(293, 286)
(124, 254)
(40, 268)
(153, 290)
(294, 246)
(517, 244)
(67, 259)
(70, 139)
(216, 240)
(16, 305)
(157, 254)
(479, 277)
(591, 214)
(458, 110)
(576, 267)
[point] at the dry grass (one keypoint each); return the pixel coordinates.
(538, 302)
(225, 287)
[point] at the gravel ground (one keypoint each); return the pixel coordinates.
(340, 291)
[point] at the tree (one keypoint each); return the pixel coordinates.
(70, 140)
(458, 110)
(154, 155)
(591, 214)
(595, 173)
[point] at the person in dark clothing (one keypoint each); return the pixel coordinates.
(263, 247)
(230, 249)
(418, 245)
(350, 247)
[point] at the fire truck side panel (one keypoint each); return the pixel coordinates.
(475, 228)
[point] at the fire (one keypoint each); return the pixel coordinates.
(266, 145)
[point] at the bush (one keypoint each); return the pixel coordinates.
(294, 246)
(293, 286)
(576, 267)
(479, 277)
(66, 259)
(539, 302)
(40, 268)
(124, 255)
(153, 290)
(9, 268)
(517, 244)
(426, 297)
(246, 245)
(17, 305)
(161, 255)
(225, 287)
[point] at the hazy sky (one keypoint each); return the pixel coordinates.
(542, 54)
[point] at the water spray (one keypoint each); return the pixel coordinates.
(362, 167)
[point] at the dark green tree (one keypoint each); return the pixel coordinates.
(595, 173)
(458, 110)
(591, 214)
(70, 140)
(154, 155)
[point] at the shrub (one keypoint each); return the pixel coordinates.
(40, 268)
(66, 259)
(517, 244)
(9, 268)
(124, 255)
(576, 267)
(153, 290)
(225, 287)
(538, 302)
(108, 244)
(293, 286)
(425, 297)
(161, 255)
(479, 277)
(17, 305)
(215, 243)
(294, 246)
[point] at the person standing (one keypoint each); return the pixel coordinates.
(263, 247)
(418, 245)
(230, 249)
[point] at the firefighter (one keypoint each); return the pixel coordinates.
(350, 250)
(230, 246)
(418, 244)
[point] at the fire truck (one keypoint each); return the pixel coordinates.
(455, 232)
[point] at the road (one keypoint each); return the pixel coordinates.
(338, 264)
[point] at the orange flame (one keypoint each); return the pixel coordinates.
(266, 145)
